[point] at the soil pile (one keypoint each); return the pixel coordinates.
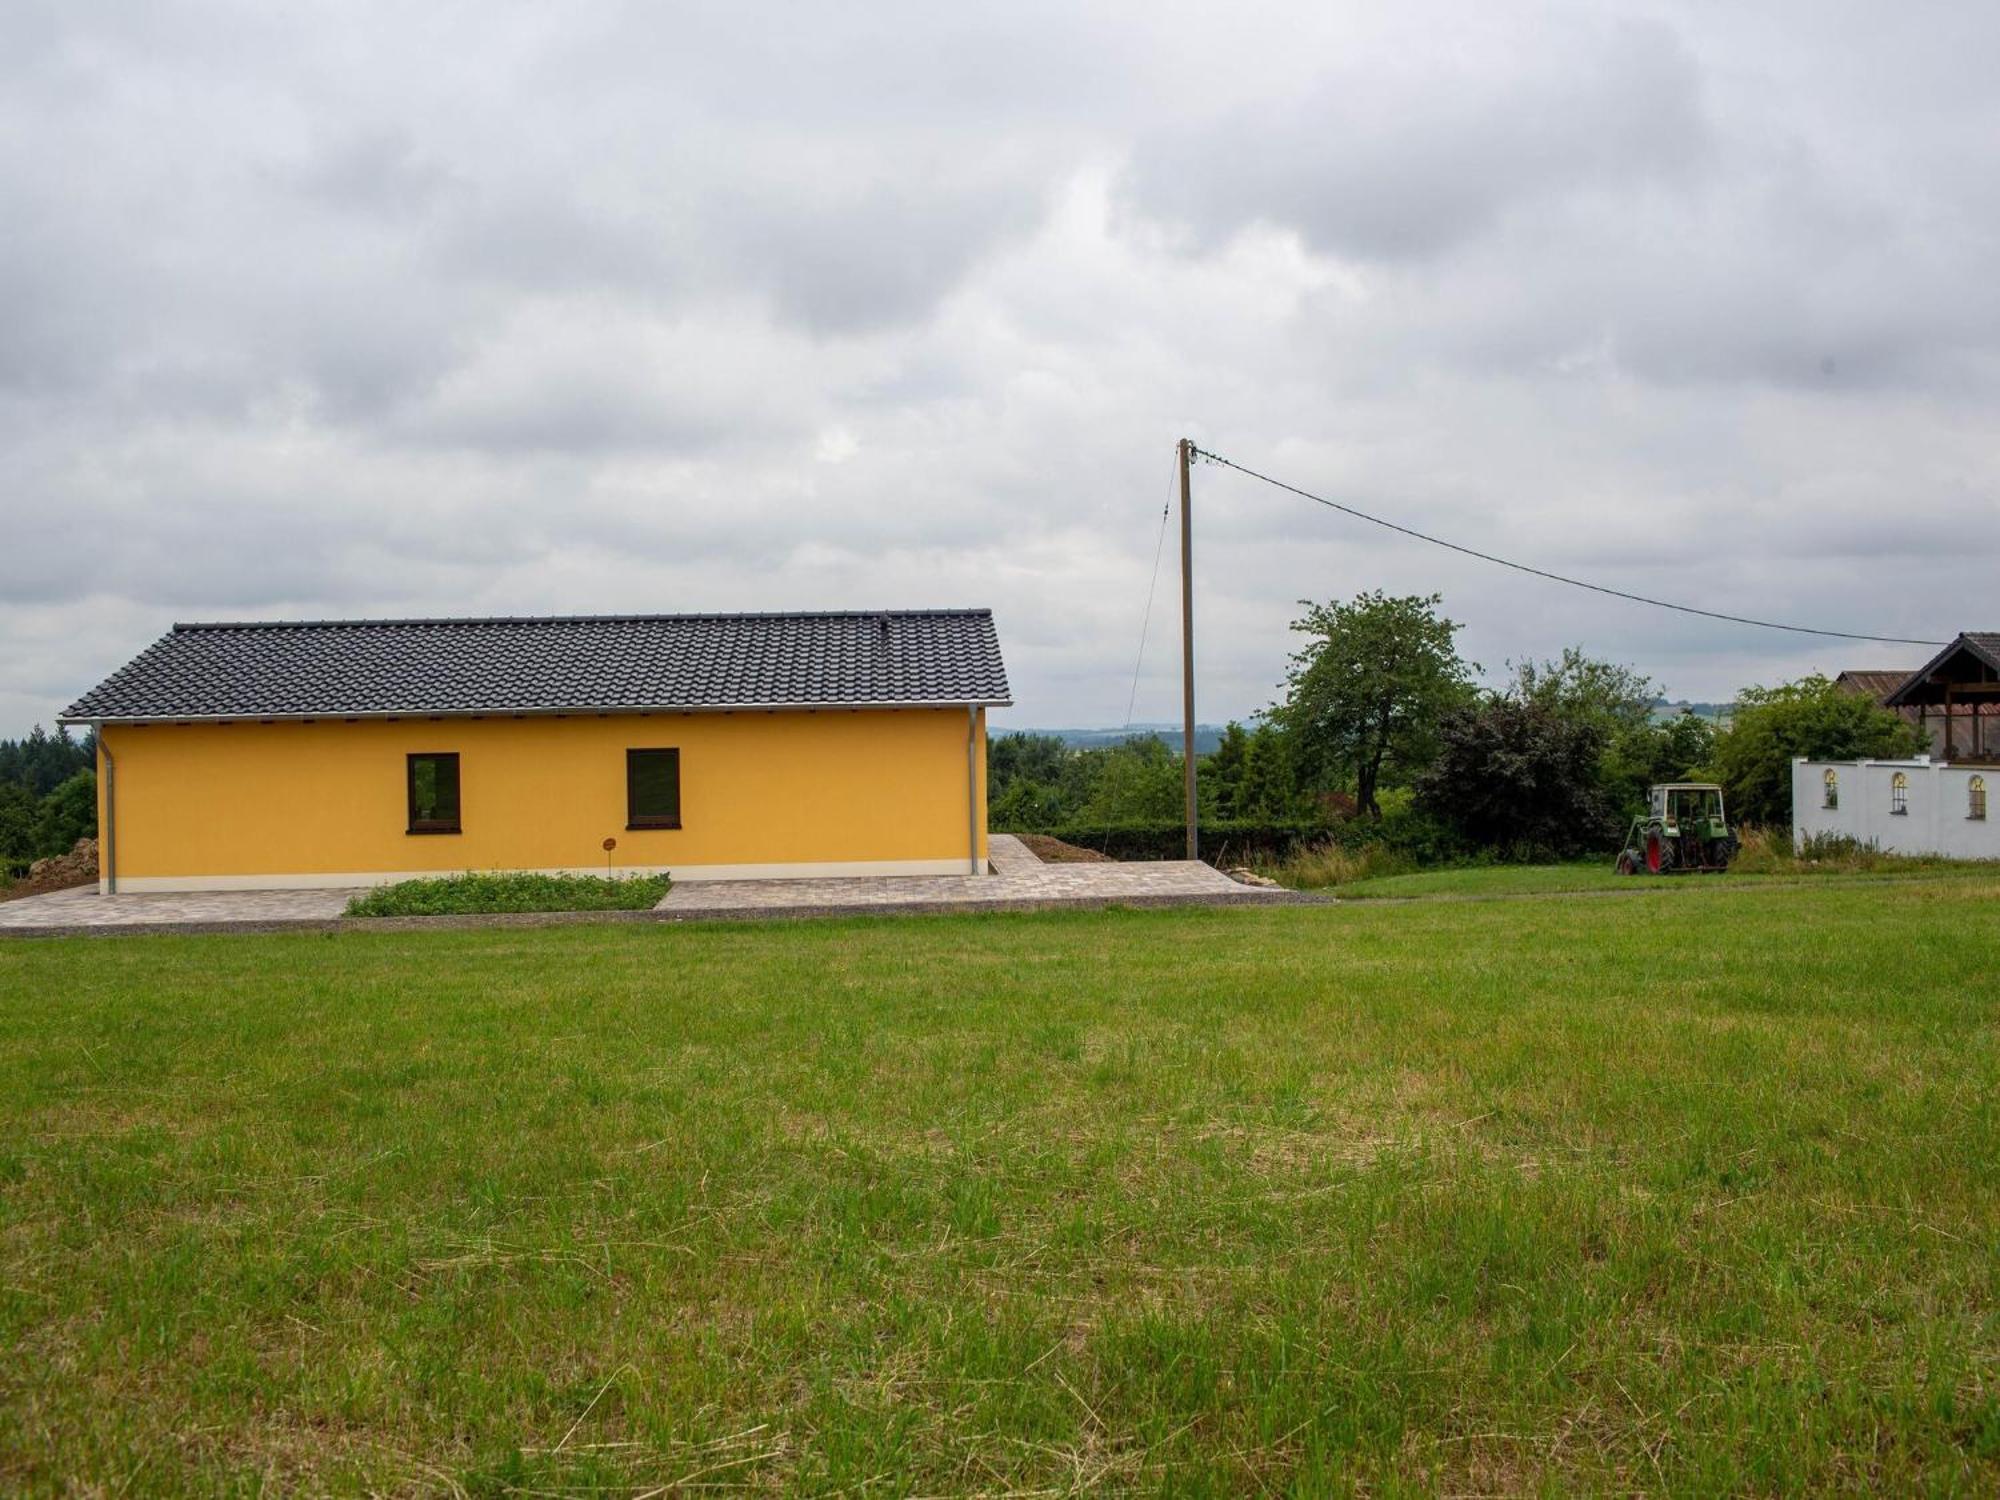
(58, 872)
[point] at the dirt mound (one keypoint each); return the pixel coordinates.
(1053, 851)
(58, 872)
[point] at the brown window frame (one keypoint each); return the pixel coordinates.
(427, 826)
(634, 820)
(1899, 795)
(1975, 800)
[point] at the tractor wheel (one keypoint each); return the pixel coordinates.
(1720, 852)
(1659, 852)
(1627, 865)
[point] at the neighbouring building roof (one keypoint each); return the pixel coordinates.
(587, 664)
(1973, 660)
(1875, 685)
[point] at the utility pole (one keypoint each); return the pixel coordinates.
(1187, 651)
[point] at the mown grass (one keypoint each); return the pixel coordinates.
(480, 892)
(1482, 881)
(1694, 1196)
(1508, 880)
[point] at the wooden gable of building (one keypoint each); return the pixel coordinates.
(1961, 686)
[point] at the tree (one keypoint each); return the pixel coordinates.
(1366, 695)
(1035, 782)
(1617, 701)
(43, 761)
(1681, 749)
(67, 814)
(1138, 781)
(1270, 788)
(1222, 770)
(1584, 690)
(1812, 717)
(1026, 806)
(17, 828)
(1033, 757)
(1519, 778)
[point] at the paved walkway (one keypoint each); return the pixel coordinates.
(1007, 855)
(1018, 879)
(1019, 882)
(81, 906)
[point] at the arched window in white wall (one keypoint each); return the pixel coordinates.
(1832, 780)
(1975, 799)
(1899, 795)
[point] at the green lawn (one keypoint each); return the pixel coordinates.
(1503, 880)
(1692, 1194)
(1597, 875)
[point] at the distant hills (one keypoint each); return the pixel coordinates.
(1719, 712)
(1206, 736)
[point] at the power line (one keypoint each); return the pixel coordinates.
(1595, 588)
(1146, 620)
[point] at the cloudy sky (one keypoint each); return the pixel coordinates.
(338, 309)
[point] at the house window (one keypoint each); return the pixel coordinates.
(434, 792)
(1899, 795)
(652, 789)
(1975, 799)
(1832, 790)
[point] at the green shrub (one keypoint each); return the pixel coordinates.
(1416, 834)
(509, 891)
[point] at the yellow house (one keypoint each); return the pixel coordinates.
(714, 747)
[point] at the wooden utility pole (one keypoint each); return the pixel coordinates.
(1187, 652)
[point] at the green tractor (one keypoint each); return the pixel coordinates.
(1684, 832)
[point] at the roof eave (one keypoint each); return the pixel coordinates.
(579, 711)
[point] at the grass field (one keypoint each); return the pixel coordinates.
(1693, 1193)
(1480, 881)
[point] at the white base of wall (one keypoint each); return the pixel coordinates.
(824, 870)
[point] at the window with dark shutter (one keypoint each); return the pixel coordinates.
(652, 789)
(434, 792)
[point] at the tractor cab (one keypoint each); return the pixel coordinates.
(1698, 803)
(1685, 830)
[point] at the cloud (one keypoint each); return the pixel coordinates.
(1429, 130)
(356, 309)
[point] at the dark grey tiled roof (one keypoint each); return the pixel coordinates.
(336, 668)
(1982, 646)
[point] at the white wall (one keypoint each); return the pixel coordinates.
(1938, 802)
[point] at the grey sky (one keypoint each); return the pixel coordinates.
(352, 309)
